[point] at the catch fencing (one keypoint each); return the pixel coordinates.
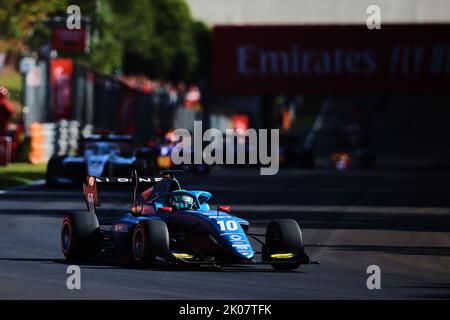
(63, 98)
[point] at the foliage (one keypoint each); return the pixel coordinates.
(18, 18)
(106, 50)
(157, 38)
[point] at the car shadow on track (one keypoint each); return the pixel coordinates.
(180, 268)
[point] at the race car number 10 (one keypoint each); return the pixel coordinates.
(229, 225)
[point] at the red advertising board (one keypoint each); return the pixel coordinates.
(322, 58)
(75, 40)
(61, 85)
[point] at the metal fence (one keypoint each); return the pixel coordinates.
(103, 103)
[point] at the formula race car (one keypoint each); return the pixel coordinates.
(171, 226)
(163, 150)
(99, 155)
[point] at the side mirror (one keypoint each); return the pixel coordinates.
(165, 209)
(224, 208)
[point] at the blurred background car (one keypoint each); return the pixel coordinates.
(99, 155)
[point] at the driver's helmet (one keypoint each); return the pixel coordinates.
(182, 202)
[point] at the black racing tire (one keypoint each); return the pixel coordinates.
(79, 235)
(284, 236)
(150, 239)
(55, 168)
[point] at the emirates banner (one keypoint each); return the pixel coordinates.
(61, 87)
(345, 58)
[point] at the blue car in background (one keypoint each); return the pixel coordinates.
(98, 155)
(167, 225)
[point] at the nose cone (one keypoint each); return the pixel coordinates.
(240, 245)
(96, 164)
(228, 229)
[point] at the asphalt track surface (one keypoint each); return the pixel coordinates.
(398, 220)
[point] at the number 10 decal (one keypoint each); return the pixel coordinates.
(229, 225)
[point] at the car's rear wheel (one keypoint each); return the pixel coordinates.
(79, 235)
(150, 240)
(284, 244)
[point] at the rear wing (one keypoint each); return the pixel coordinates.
(121, 181)
(90, 190)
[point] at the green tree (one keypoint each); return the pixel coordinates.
(106, 49)
(19, 17)
(202, 38)
(158, 37)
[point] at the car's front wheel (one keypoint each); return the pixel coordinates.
(284, 244)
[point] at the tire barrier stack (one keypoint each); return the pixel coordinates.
(66, 138)
(37, 150)
(59, 139)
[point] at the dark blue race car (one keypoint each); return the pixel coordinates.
(168, 225)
